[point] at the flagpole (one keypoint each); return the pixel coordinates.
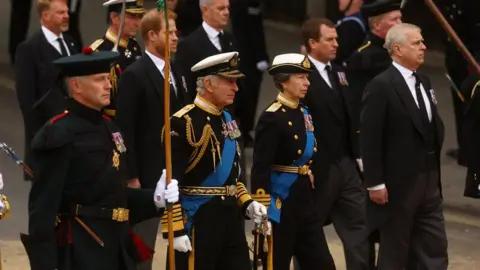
(167, 137)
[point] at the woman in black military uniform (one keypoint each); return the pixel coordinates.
(281, 178)
(80, 210)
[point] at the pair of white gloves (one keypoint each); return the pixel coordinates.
(162, 195)
(2, 205)
(255, 211)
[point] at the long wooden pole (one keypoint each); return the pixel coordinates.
(168, 149)
(446, 26)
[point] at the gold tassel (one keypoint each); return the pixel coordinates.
(113, 78)
(191, 256)
(270, 251)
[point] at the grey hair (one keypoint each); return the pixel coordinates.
(201, 83)
(205, 3)
(398, 35)
(280, 78)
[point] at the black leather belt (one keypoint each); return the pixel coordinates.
(117, 214)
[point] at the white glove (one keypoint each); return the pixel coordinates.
(1, 182)
(161, 195)
(262, 65)
(256, 211)
(360, 164)
(2, 207)
(182, 243)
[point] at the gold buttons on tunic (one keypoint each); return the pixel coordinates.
(310, 162)
(208, 118)
(290, 123)
(301, 109)
(315, 149)
(299, 151)
(295, 137)
(283, 110)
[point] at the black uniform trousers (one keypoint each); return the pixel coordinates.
(217, 238)
(300, 232)
(343, 201)
(414, 237)
(20, 20)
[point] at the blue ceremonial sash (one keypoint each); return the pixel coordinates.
(217, 178)
(281, 182)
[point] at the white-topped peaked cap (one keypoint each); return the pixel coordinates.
(223, 64)
(290, 63)
(131, 6)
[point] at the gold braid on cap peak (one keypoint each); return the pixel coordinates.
(207, 136)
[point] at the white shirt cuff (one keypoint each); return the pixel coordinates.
(377, 187)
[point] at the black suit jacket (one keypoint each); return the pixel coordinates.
(331, 118)
(392, 139)
(140, 116)
(194, 48)
(35, 76)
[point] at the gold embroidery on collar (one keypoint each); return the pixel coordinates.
(206, 105)
(110, 35)
(287, 101)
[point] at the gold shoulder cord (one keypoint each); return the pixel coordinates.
(207, 136)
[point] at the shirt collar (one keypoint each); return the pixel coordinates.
(159, 63)
(407, 73)
(211, 32)
(319, 65)
(49, 35)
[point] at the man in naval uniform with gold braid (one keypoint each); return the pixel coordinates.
(281, 178)
(4, 205)
(128, 46)
(206, 162)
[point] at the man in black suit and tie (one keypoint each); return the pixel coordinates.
(38, 91)
(140, 110)
(401, 139)
(341, 197)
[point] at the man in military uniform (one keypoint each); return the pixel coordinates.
(206, 162)
(4, 205)
(470, 131)
(284, 133)
(128, 47)
(80, 210)
(463, 17)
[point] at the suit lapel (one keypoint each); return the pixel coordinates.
(46, 47)
(328, 95)
(435, 116)
(406, 96)
(204, 42)
(155, 76)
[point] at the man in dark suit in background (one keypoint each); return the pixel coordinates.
(247, 27)
(39, 94)
(401, 141)
(140, 110)
(20, 20)
(340, 190)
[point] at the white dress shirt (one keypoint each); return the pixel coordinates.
(212, 34)
(160, 64)
(52, 39)
(321, 69)
(410, 80)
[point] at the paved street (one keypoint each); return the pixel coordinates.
(462, 214)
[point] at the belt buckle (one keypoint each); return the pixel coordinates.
(120, 214)
(303, 170)
(231, 190)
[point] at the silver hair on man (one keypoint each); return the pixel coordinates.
(201, 83)
(398, 35)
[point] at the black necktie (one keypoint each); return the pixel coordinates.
(223, 42)
(421, 101)
(62, 47)
(333, 84)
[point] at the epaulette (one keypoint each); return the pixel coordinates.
(58, 117)
(474, 88)
(274, 107)
(96, 44)
(184, 110)
(364, 46)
